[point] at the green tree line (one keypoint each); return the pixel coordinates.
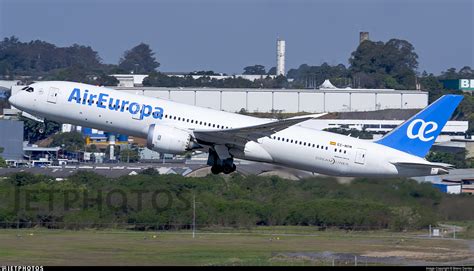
(150, 200)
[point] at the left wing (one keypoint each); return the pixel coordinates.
(240, 136)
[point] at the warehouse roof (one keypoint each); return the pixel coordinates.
(351, 90)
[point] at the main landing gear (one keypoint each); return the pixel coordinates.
(218, 165)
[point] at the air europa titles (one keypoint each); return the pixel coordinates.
(103, 100)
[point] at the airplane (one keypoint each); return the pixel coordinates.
(177, 128)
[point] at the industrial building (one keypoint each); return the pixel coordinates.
(289, 100)
(11, 139)
(456, 182)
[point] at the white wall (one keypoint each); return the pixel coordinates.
(186, 97)
(388, 100)
(312, 102)
(158, 94)
(208, 99)
(414, 101)
(234, 101)
(259, 102)
(363, 102)
(256, 100)
(285, 101)
(337, 102)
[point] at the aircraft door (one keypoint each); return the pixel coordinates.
(360, 156)
(53, 95)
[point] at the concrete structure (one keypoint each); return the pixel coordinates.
(450, 188)
(147, 154)
(9, 83)
(251, 77)
(463, 177)
(280, 53)
(11, 139)
(130, 80)
(465, 85)
(363, 36)
(289, 100)
(40, 156)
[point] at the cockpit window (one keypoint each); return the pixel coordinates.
(28, 89)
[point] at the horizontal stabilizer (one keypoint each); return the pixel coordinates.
(423, 165)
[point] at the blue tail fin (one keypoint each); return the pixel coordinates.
(417, 135)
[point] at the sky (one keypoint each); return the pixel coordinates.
(227, 35)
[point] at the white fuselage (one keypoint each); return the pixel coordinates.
(297, 147)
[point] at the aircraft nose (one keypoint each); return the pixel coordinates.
(12, 100)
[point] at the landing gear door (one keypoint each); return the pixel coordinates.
(53, 95)
(360, 156)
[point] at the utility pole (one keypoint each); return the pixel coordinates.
(194, 216)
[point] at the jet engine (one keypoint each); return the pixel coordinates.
(170, 140)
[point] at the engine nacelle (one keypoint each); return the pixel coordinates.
(165, 139)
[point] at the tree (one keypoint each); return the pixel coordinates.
(139, 59)
(3, 163)
(392, 64)
(311, 76)
(255, 70)
(70, 141)
(272, 71)
(129, 155)
(38, 58)
(456, 159)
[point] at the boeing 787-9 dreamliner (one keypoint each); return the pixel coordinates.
(176, 128)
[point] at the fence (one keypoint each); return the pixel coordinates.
(202, 227)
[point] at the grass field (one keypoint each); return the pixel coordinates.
(259, 247)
